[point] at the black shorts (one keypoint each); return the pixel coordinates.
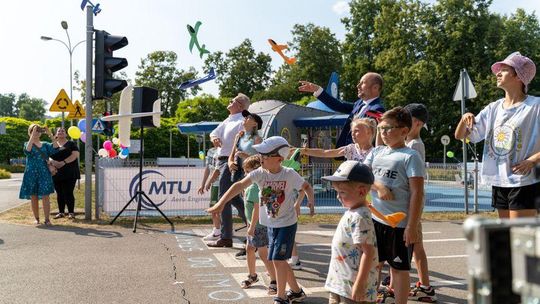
(516, 198)
(391, 246)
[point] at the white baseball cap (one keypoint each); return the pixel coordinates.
(273, 145)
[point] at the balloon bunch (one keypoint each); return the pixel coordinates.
(110, 151)
(80, 126)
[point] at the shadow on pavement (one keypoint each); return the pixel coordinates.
(84, 231)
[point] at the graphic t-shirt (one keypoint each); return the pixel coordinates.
(393, 168)
(277, 194)
(511, 135)
(353, 153)
(355, 227)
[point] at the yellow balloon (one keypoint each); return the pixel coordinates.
(74, 132)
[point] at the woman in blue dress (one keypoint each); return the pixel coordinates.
(37, 180)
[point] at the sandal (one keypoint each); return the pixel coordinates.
(36, 222)
(272, 288)
(278, 300)
(47, 223)
(250, 281)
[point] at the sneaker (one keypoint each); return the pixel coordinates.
(297, 266)
(386, 295)
(418, 293)
(59, 215)
(71, 216)
(221, 243)
(211, 237)
(296, 296)
(241, 255)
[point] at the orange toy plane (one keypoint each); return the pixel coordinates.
(278, 48)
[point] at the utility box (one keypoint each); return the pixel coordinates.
(526, 263)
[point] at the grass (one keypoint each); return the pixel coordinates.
(23, 215)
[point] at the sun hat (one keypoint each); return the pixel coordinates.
(524, 66)
(353, 171)
(273, 145)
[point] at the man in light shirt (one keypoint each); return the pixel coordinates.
(369, 91)
(223, 136)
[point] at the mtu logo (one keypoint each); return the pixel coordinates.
(158, 186)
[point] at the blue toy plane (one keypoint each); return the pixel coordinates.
(194, 41)
(95, 8)
(191, 83)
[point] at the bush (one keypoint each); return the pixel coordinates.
(12, 168)
(4, 174)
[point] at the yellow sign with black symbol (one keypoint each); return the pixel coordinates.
(62, 103)
(78, 111)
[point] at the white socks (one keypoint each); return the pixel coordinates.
(216, 231)
(294, 259)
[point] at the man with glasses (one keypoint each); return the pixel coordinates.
(369, 91)
(223, 137)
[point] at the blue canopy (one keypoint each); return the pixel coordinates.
(197, 127)
(321, 121)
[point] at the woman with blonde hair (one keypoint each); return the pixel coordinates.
(37, 179)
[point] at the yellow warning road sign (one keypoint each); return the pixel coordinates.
(62, 103)
(78, 111)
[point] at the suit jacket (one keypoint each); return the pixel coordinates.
(352, 109)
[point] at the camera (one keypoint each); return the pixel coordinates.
(40, 129)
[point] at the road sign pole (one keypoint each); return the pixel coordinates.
(444, 156)
(464, 92)
(88, 97)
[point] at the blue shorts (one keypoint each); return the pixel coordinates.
(281, 242)
(260, 239)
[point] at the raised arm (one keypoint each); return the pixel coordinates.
(235, 189)
(330, 153)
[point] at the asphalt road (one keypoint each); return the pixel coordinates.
(110, 264)
(9, 189)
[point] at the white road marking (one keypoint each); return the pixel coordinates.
(228, 260)
(445, 240)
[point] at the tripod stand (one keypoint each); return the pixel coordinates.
(140, 193)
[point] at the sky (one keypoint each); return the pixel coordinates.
(41, 68)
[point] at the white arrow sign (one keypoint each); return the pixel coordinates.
(465, 88)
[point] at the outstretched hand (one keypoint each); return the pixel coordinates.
(306, 86)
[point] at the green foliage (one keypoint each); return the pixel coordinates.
(4, 174)
(12, 168)
(202, 108)
(12, 143)
(240, 70)
(22, 106)
(158, 70)
(7, 105)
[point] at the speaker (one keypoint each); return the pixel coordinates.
(143, 101)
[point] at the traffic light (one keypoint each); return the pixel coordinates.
(105, 64)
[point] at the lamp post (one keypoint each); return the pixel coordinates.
(70, 49)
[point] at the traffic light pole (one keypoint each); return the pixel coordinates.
(88, 146)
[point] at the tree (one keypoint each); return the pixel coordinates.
(32, 109)
(158, 70)
(7, 105)
(202, 108)
(240, 70)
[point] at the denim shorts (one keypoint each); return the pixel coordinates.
(260, 239)
(281, 242)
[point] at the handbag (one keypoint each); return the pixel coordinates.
(52, 169)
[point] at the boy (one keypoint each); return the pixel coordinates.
(352, 275)
(279, 190)
(257, 239)
(209, 182)
(422, 291)
(401, 171)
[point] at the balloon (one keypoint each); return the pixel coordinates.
(122, 146)
(74, 132)
(83, 137)
(107, 145)
(103, 153)
(112, 153)
(125, 151)
(115, 141)
(82, 124)
(450, 154)
(201, 155)
(122, 156)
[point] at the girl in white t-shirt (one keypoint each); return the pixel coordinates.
(363, 132)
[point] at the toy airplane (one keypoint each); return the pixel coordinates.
(194, 41)
(292, 162)
(191, 83)
(374, 114)
(95, 8)
(278, 48)
(125, 115)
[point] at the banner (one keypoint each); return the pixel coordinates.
(171, 189)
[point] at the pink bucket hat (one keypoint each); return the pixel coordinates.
(525, 67)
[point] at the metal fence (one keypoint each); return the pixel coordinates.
(444, 188)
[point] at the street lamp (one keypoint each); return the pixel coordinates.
(70, 49)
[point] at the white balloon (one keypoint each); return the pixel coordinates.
(103, 153)
(115, 141)
(122, 156)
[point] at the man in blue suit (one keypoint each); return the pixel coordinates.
(369, 91)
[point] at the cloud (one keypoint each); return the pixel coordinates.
(341, 7)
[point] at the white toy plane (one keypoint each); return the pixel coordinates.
(124, 115)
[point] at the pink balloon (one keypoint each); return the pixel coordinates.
(107, 145)
(83, 137)
(122, 146)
